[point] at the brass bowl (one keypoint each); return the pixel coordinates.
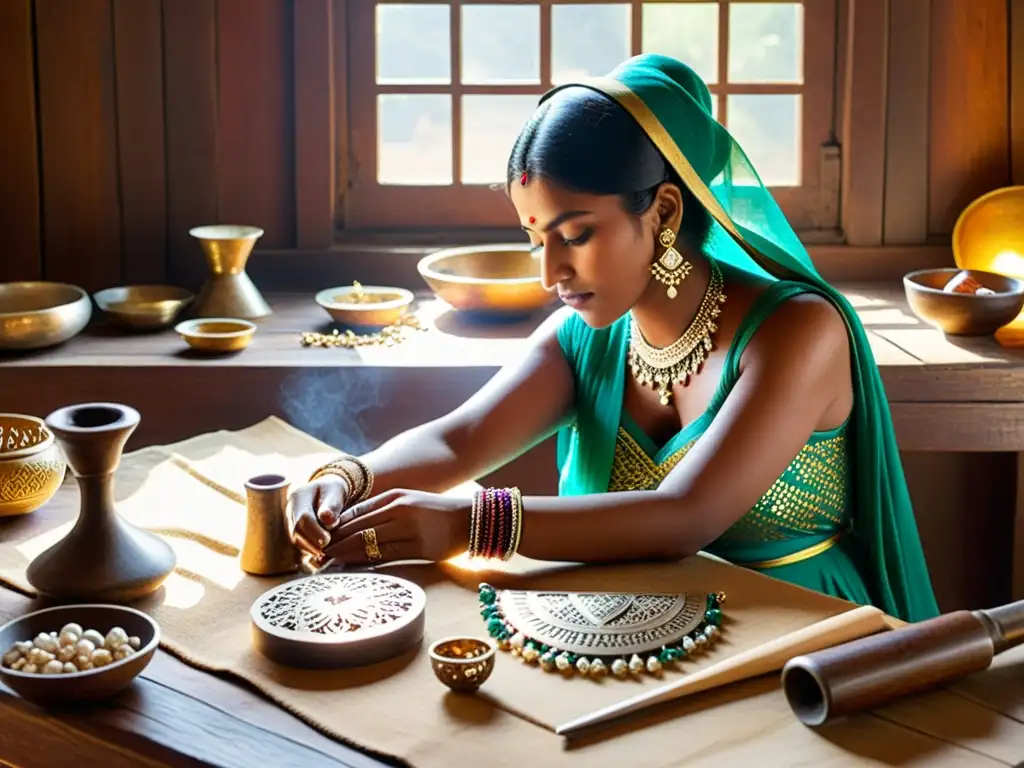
(143, 307)
(502, 279)
(369, 305)
(34, 315)
(961, 314)
(462, 663)
(90, 685)
(988, 234)
(217, 334)
(31, 465)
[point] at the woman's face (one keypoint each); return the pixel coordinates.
(595, 254)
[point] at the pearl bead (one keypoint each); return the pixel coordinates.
(598, 668)
(688, 644)
(619, 668)
(582, 665)
(653, 665)
(562, 662)
(636, 665)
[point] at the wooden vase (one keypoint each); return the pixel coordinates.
(103, 558)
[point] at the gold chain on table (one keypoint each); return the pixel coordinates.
(385, 337)
(662, 368)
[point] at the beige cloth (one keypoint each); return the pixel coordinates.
(191, 491)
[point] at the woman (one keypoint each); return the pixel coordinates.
(710, 391)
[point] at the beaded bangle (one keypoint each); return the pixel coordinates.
(353, 471)
(495, 523)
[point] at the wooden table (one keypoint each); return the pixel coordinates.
(176, 715)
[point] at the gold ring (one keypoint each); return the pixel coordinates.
(370, 545)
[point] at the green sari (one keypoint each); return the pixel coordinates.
(673, 106)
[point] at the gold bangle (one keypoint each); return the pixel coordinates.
(360, 480)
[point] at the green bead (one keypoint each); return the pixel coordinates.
(495, 626)
(488, 611)
(544, 648)
(487, 595)
(668, 655)
(532, 644)
(714, 617)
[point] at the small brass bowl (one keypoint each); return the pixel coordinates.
(959, 314)
(143, 307)
(369, 305)
(90, 685)
(217, 334)
(502, 279)
(31, 466)
(34, 315)
(462, 663)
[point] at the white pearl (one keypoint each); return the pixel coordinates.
(688, 644)
(619, 668)
(93, 637)
(134, 642)
(517, 640)
(53, 667)
(69, 668)
(45, 642)
(636, 664)
(582, 665)
(702, 640)
(653, 665)
(85, 647)
(710, 630)
(598, 668)
(75, 629)
(67, 638)
(115, 638)
(529, 654)
(562, 662)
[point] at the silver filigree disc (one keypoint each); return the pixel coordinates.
(602, 623)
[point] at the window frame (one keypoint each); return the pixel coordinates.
(363, 205)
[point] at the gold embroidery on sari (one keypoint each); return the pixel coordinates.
(809, 497)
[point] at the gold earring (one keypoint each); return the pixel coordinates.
(671, 268)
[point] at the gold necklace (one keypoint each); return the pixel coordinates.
(662, 368)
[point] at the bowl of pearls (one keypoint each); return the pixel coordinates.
(74, 653)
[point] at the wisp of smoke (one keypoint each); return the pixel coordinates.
(330, 403)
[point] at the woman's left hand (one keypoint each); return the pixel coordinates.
(407, 525)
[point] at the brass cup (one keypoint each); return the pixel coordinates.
(462, 663)
(501, 279)
(31, 466)
(959, 314)
(143, 307)
(34, 315)
(229, 292)
(216, 334)
(379, 305)
(988, 235)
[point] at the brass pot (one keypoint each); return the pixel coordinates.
(500, 279)
(31, 465)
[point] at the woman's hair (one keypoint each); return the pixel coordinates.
(584, 142)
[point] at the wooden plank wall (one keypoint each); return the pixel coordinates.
(126, 122)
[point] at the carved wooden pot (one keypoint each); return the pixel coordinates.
(103, 558)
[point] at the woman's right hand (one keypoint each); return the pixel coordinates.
(314, 509)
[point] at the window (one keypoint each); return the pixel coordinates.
(438, 92)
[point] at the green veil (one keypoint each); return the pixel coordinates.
(673, 106)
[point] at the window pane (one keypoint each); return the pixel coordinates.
(588, 40)
(413, 44)
(490, 125)
(414, 138)
(766, 42)
(500, 44)
(685, 31)
(767, 126)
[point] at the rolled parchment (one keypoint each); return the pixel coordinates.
(766, 658)
(874, 670)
